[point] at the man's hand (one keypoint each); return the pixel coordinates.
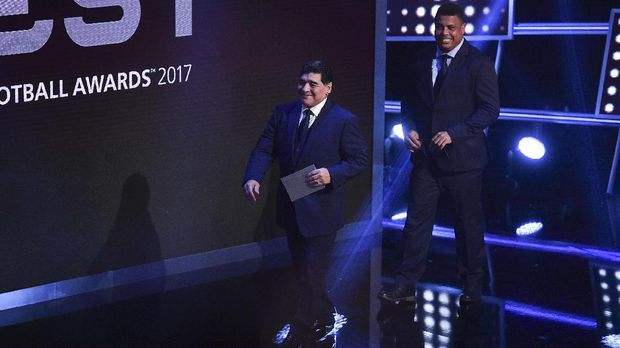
(318, 177)
(412, 140)
(441, 139)
(251, 189)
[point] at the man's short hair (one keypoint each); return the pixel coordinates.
(451, 9)
(318, 67)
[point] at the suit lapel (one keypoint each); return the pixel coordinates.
(293, 123)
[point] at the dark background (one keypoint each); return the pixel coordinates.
(93, 183)
(566, 190)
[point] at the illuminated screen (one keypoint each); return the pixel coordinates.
(125, 126)
(414, 20)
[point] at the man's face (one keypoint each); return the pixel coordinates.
(449, 31)
(312, 90)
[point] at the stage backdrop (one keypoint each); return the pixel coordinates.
(125, 125)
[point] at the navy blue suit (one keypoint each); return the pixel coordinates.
(466, 104)
(334, 142)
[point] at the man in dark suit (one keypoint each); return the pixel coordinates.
(453, 98)
(312, 130)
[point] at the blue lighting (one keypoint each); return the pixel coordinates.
(531, 148)
(564, 248)
(397, 130)
(546, 314)
(529, 228)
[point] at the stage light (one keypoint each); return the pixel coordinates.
(444, 311)
(602, 272)
(529, 228)
(532, 148)
(428, 295)
(606, 298)
(429, 322)
(617, 274)
(399, 216)
(429, 308)
(397, 130)
(469, 11)
(469, 28)
(403, 29)
(608, 97)
(444, 298)
(486, 19)
(420, 11)
(419, 29)
(604, 286)
(445, 326)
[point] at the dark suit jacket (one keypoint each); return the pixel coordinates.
(467, 103)
(334, 142)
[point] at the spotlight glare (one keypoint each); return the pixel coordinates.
(611, 90)
(429, 308)
(609, 325)
(419, 29)
(609, 108)
(604, 286)
(485, 28)
(606, 298)
(445, 325)
(434, 10)
(486, 10)
(399, 216)
(404, 12)
(444, 311)
(444, 298)
(420, 11)
(403, 29)
(618, 38)
(616, 55)
(398, 131)
(429, 322)
(428, 295)
(469, 11)
(602, 272)
(529, 228)
(617, 274)
(614, 73)
(389, 12)
(469, 28)
(531, 148)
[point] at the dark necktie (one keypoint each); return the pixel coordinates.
(302, 131)
(441, 74)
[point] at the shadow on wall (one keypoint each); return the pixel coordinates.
(133, 239)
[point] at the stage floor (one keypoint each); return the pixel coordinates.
(536, 299)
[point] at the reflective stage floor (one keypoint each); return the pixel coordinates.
(549, 297)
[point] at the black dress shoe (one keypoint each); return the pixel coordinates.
(401, 293)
